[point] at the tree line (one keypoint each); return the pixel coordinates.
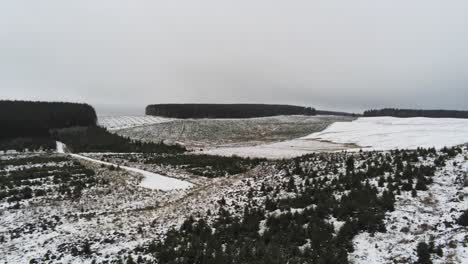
(416, 113)
(35, 119)
(98, 139)
(37, 125)
(225, 110)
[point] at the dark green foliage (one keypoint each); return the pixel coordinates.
(32, 160)
(35, 119)
(67, 180)
(350, 164)
(98, 139)
(463, 220)
(23, 143)
(225, 110)
(206, 165)
(416, 113)
(424, 254)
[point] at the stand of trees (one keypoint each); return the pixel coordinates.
(416, 113)
(98, 139)
(225, 110)
(35, 119)
(36, 125)
(335, 113)
(210, 166)
(23, 143)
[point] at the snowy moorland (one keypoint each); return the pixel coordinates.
(359, 207)
(369, 133)
(122, 122)
(380, 205)
(201, 133)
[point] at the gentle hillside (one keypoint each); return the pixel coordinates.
(225, 110)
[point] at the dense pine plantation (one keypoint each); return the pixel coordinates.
(416, 113)
(225, 110)
(98, 139)
(309, 215)
(35, 119)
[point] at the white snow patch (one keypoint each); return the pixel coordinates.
(384, 133)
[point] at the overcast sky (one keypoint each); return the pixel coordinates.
(345, 55)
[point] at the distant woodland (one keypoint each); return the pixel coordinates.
(98, 139)
(335, 113)
(416, 113)
(36, 119)
(225, 110)
(37, 125)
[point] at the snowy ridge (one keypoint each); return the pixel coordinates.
(384, 133)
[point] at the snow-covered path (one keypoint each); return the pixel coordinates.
(151, 180)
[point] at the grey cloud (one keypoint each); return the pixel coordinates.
(345, 56)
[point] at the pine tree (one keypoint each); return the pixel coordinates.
(424, 256)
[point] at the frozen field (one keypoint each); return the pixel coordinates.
(382, 133)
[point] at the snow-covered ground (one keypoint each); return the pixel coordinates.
(151, 180)
(204, 133)
(428, 216)
(121, 122)
(384, 133)
(368, 133)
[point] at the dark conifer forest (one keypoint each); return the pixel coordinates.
(37, 125)
(225, 110)
(416, 113)
(35, 119)
(98, 139)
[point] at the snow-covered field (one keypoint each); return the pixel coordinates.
(383, 133)
(281, 150)
(121, 122)
(368, 133)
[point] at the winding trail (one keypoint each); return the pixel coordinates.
(151, 180)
